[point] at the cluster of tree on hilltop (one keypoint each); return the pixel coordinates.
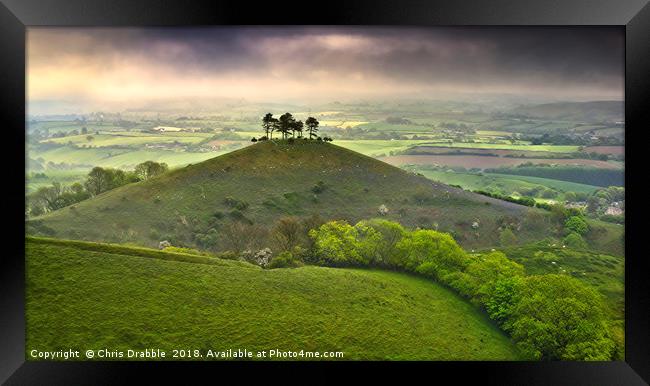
(289, 127)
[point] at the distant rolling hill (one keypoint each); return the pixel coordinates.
(91, 296)
(269, 180)
(598, 111)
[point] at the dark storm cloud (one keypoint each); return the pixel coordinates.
(567, 61)
(574, 55)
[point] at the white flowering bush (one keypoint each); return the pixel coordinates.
(262, 257)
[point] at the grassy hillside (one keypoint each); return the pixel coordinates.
(76, 293)
(271, 180)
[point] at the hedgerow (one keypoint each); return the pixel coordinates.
(550, 317)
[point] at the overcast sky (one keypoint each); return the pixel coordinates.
(89, 68)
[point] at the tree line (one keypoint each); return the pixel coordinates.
(289, 127)
(579, 174)
(98, 180)
(550, 316)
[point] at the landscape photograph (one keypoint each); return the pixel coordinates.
(308, 193)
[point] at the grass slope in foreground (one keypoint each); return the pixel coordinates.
(90, 296)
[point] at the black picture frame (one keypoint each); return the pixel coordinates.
(17, 15)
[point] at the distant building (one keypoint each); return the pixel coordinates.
(614, 211)
(167, 128)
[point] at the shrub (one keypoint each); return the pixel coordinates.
(424, 221)
(575, 241)
(507, 237)
(543, 205)
(235, 203)
(368, 242)
(237, 236)
(285, 259)
(431, 253)
(208, 240)
(422, 196)
(338, 243)
(154, 234)
(228, 255)
(556, 317)
(319, 187)
(261, 257)
(150, 169)
(527, 201)
(549, 193)
(461, 282)
(534, 220)
(576, 224)
(237, 215)
(188, 251)
(616, 219)
(312, 222)
(286, 233)
(486, 270)
(502, 298)
(391, 234)
(241, 205)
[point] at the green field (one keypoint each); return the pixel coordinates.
(377, 147)
(563, 186)
(571, 173)
(507, 184)
(492, 133)
(64, 177)
(130, 139)
(67, 126)
(76, 296)
(120, 158)
(504, 146)
(383, 147)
